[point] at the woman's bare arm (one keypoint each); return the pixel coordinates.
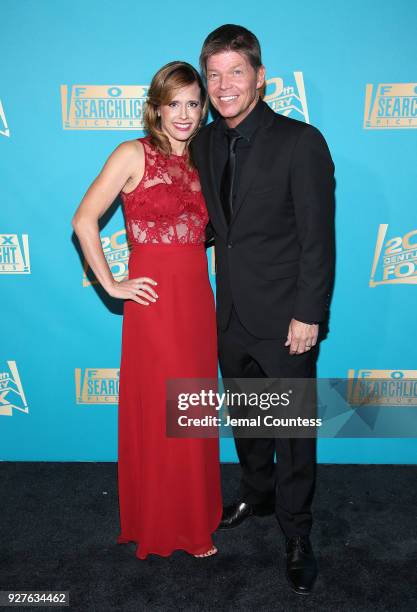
(127, 159)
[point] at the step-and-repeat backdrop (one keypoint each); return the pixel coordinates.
(74, 82)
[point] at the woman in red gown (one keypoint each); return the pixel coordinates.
(169, 488)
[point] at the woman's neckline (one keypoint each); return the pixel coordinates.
(176, 155)
(182, 156)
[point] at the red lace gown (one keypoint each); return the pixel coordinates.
(169, 488)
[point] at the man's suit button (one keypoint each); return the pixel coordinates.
(230, 245)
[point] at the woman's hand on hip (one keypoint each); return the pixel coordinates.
(137, 289)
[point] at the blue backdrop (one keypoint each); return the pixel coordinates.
(74, 78)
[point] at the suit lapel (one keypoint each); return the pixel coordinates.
(215, 196)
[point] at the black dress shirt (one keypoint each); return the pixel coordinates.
(245, 128)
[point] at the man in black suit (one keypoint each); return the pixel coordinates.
(268, 181)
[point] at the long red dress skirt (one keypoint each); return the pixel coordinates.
(169, 488)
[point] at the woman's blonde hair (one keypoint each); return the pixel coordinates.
(165, 83)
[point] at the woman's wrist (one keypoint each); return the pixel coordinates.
(109, 285)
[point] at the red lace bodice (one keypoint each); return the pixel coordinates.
(167, 206)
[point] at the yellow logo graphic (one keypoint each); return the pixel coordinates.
(391, 106)
(288, 97)
(395, 260)
(12, 394)
(103, 107)
(14, 254)
(383, 387)
(4, 128)
(97, 385)
(116, 251)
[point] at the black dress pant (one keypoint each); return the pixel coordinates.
(291, 480)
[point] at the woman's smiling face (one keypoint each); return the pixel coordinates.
(181, 117)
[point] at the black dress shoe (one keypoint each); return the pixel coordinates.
(301, 564)
(235, 514)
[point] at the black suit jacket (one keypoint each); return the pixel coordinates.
(275, 260)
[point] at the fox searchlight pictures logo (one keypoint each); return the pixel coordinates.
(103, 107)
(14, 254)
(97, 385)
(390, 106)
(382, 387)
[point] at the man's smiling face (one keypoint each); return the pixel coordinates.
(232, 85)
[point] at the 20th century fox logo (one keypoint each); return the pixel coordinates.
(97, 385)
(4, 128)
(103, 107)
(12, 395)
(116, 251)
(287, 96)
(390, 106)
(395, 259)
